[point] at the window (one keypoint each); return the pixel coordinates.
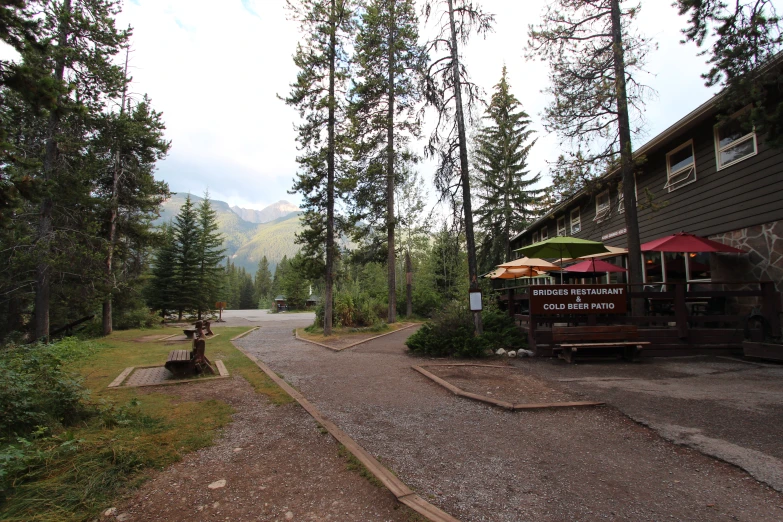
(732, 145)
(576, 222)
(602, 205)
(561, 226)
(680, 166)
(544, 233)
(535, 237)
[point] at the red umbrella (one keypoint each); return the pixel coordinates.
(594, 265)
(684, 242)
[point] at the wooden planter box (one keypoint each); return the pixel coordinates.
(759, 350)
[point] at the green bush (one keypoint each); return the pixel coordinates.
(36, 392)
(352, 310)
(450, 333)
(139, 317)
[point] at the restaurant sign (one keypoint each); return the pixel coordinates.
(577, 299)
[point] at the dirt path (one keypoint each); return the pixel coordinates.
(481, 463)
(276, 464)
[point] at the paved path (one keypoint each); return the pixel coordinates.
(481, 463)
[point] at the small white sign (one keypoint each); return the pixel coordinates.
(475, 302)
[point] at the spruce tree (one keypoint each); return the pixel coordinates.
(161, 292)
(188, 262)
(384, 116)
(83, 42)
(209, 253)
(504, 186)
(263, 280)
(323, 72)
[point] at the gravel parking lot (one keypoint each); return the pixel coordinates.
(478, 462)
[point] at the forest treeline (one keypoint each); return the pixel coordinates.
(77, 156)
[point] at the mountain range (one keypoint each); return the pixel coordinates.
(248, 234)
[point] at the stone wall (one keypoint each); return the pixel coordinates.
(763, 262)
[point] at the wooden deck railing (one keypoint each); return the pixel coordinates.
(678, 296)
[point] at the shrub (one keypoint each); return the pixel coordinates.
(36, 392)
(139, 317)
(451, 333)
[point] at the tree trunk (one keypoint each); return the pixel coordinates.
(330, 174)
(408, 285)
(107, 303)
(626, 160)
(42, 269)
(463, 159)
(390, 221)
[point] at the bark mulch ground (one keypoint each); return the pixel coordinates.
(276, 463)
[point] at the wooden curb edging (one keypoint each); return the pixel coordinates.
(495, 402)
(397, 487)
(117, 383)
(296, 335)
(244, 333)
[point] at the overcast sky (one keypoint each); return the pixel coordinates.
(215, 69)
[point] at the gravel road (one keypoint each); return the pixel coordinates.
(481, 463)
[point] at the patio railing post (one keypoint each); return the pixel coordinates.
(770, 299)
(680, 310)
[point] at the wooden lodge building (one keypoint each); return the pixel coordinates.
(701, 177)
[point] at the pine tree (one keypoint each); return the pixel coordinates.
(504, 187)
(746, 38)
(247, 292)
(383, 115)
(161, 292)
(323, 72)
(447, 81)
(263, 280)
(84, 41)
(209, 253)
(186, 237)
(593, 57)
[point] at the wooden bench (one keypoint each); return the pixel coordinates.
(617, 340)
(180, 362)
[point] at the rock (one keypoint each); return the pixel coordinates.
(289, 515)
(525, 353)
(500, 351)
(218, 484)
(512, 353)
(123, 516)
(111, 512)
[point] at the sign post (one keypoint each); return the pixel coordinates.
(475, 301)
(220, 305)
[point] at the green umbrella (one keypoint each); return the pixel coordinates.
(562, 247)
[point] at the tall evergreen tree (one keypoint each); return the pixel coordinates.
(323, 71)
(263, 279)
(161, 292)
(447, 81)
(746, 36)
(383, 113)
(209, 253)
(186, 237)
(84, 41)
(593, 55)
(504, 185)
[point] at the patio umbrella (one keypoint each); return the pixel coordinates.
(505, 273)
(563, 246)
(594, 265)
(527, 262)
(685, 242)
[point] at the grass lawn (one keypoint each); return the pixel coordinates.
(75, 473)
